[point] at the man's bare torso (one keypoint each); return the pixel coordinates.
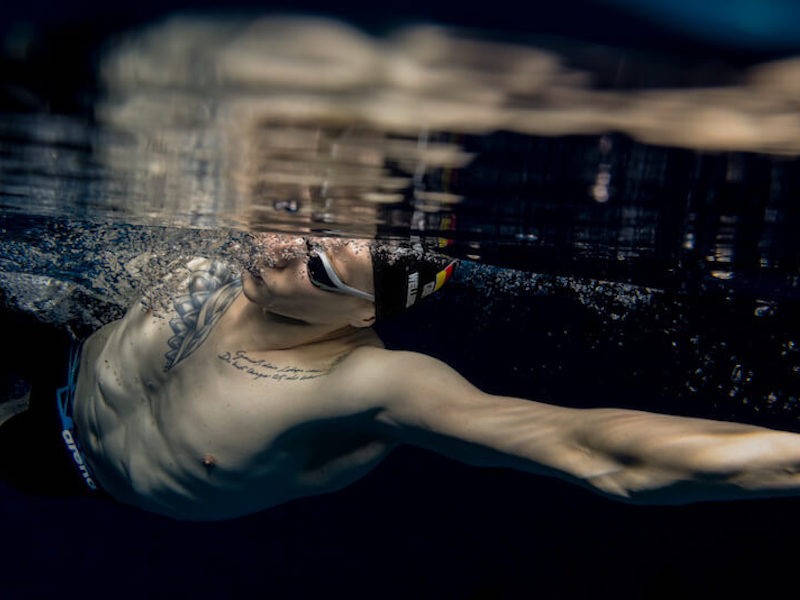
(232, 403)
(208, 424)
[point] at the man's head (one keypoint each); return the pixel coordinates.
(284, 278)
(341, 282)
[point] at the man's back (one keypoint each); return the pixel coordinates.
(226, 426)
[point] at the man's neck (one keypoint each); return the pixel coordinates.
(252, 327)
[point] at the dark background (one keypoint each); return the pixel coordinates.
(420, 526)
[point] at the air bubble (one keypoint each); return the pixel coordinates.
(764, 309)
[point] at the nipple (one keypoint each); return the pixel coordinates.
(209, 461)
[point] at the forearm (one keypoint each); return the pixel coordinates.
(665, 459)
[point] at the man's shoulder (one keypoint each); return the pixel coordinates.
(374, 360)
(357, 377)
(365, 361)
(372, 376)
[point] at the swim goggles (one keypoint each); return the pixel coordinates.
(324, 276)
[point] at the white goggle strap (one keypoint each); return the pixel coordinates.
(341, 285)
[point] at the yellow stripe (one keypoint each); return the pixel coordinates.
(443, 276)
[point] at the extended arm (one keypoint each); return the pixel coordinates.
(629, 455)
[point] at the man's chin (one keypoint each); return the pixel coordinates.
(254, 287)
(254, 276)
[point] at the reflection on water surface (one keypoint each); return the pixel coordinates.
(290, 123)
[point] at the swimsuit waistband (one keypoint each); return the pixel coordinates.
(65, 397)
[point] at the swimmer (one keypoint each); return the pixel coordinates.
(261, 388)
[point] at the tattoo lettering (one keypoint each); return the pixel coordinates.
(212, 290)
(258, 368)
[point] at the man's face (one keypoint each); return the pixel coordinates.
(278, 280)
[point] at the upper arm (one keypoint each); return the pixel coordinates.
(405, 391)
(416, 399)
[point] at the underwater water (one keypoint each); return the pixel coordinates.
(628, 225)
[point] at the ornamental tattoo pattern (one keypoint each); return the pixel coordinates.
(212, 289)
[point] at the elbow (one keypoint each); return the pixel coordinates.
(614, 487)
(638, 486)
(671, 495)
(654, 488)
(721, 467)
(615, 483)
(620, 477)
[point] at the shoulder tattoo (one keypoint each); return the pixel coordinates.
(212, 289)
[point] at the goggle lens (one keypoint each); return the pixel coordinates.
(318, 275)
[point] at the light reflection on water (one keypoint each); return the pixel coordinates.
(286, 123)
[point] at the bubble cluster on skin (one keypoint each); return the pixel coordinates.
(268, 250)
(273, 250)
(85, 274)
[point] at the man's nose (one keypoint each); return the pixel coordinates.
(288, 249)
